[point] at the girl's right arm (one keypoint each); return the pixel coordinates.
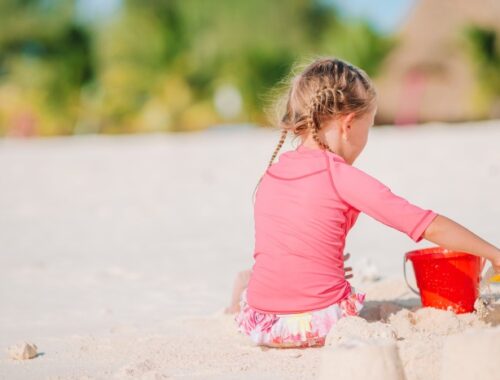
(449, 234)
(369, 195)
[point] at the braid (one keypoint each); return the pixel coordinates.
(319, 103)
(278, 147)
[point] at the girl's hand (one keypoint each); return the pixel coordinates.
(347, 270)
(495, 263)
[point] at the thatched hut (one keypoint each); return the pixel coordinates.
(430, 75)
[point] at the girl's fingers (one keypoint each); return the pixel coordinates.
(347, 269)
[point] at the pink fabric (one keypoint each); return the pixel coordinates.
(297, 329)
(305, 205)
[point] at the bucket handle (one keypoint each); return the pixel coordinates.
(406, 279)
(483, 263)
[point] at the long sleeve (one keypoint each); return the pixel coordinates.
(370, 196)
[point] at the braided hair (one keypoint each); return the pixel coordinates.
(326, 87)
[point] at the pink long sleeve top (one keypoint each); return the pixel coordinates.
(304, 207)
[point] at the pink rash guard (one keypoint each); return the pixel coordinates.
(305, 205)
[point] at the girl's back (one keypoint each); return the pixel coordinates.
(305, 205)
(299, 230)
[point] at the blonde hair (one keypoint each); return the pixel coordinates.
(316, 91)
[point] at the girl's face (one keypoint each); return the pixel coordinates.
(355, 134)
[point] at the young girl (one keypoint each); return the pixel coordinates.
(309, 200)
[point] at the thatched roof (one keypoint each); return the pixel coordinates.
(429, 75)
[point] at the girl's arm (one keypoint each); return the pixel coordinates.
(449, 234)
(367, 194)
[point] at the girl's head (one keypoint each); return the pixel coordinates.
(331, 104)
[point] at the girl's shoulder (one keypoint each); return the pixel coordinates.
(350, 181)
(340, 166)
(296, 165)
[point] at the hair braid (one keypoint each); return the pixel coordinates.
(317, 106)
(278, 147)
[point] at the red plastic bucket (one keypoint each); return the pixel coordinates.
(446, 278)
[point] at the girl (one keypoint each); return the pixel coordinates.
(308, 201)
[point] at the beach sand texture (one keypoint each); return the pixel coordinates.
(118, 253)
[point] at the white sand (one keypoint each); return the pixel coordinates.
(472, 355)
(361, 359)
(118, 253)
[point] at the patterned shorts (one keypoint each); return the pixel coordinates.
(295, 330)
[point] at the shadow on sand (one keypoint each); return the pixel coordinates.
(374, 311)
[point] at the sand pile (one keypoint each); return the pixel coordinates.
(23, 351)
(429, 321)
(348, 329)
(403, 324)
(411, 339)
(361, 359)
(473, 354)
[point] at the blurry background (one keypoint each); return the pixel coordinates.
(124, 66)
(135, 132)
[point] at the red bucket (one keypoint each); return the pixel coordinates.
(446, 278)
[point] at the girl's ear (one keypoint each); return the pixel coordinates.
(349, 118)
(346, 125)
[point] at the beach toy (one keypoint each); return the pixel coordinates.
(446, 279)
(490, 277)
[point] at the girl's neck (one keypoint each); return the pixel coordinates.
(310, 143)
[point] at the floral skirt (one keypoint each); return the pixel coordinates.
(295, 330)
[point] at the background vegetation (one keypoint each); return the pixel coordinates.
(157, 65)
(125, 66)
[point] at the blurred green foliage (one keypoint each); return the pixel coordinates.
(484, 50)
(155, 65)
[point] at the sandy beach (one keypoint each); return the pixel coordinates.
(118, 253)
